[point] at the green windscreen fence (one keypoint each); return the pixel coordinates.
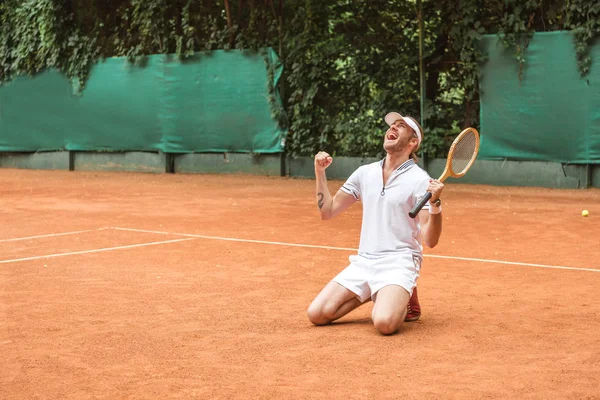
(552, 114)
(220, 101)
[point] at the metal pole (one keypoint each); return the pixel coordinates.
(421, 74)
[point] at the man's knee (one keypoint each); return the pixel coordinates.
(320, 314)
(387, 324)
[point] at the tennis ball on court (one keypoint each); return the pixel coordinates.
(585, 213)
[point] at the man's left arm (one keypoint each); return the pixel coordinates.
(431, 221)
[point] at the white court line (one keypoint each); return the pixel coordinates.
(50, 235)
(351, 249)
(513, 263)
(131, 246)
(312, 246)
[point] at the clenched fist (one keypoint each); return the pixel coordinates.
(322, 161)
(435, 188)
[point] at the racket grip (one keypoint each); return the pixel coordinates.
(413, 213)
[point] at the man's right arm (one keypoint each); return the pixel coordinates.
(329, 206)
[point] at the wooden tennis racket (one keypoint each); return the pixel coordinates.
(461, 156)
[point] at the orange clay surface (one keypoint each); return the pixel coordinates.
(196, 317)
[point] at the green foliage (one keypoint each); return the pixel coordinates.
(516, 27)
(583, 18)
(40, 34)
(347, 62)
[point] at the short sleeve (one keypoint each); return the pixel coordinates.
(352, 185)
(421, 190)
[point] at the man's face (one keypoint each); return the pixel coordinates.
(398, 137)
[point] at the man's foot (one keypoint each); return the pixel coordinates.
(413, 308)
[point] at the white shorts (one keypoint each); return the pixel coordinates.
(366, 276)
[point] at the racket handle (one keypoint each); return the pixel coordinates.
(413, 213)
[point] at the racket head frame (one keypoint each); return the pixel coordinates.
(448, 171)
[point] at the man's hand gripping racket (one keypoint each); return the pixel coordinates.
(461, 156)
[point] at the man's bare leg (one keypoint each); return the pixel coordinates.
(389, 310)
(332, 303)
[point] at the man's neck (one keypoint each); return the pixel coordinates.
(393, 161)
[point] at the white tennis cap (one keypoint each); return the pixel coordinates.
(394, 116)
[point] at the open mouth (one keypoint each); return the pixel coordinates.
(392, 136)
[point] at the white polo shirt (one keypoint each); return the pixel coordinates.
(387, 228)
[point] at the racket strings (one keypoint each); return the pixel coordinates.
(464, 151)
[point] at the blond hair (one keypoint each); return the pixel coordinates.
(413, 155)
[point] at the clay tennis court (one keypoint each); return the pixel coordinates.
(122, 285)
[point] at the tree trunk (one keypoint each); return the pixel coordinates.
(229, 23)
(239, 12)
